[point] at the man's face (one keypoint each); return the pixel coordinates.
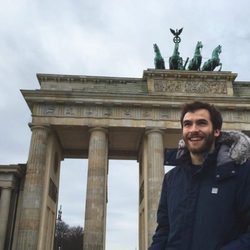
(198, 132)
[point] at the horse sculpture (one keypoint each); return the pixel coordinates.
(212, 63)
(175, 61)
(159, 61)
(195, 62)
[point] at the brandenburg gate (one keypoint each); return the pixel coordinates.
(102, 118)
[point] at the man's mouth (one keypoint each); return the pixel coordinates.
(195, 138)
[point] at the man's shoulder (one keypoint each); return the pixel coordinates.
(238, 145)
(244, 167)
(174, 171)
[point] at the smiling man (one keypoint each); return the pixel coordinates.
(198, 131)
(205, 199)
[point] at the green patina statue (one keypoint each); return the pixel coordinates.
(159, 61)
(175, 61)
(176, 34)
(195, 62)
(212, 63)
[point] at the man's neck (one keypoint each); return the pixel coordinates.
(197, 159)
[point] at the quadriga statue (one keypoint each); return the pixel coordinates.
(212, 63)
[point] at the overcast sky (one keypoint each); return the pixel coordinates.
(104, 38)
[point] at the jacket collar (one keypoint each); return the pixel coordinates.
(226, 167)
(236, 147)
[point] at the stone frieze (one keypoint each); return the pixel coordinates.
(127, 113)
(112, 112)
(191, 86)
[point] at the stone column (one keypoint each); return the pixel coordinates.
(4, 214)
(30, 217)
(155, 173)
(96, 199)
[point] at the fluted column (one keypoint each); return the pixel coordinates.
(155, 173)
(4, 214)
(33, 190)
(96, 200)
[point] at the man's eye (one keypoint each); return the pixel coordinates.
(187, 124)
(202, 123)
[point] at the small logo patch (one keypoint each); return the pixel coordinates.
(214, 190)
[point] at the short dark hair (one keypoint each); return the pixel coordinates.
(215, 114)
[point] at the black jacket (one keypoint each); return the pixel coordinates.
(206, 208)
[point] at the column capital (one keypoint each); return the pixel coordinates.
(150, 130)
(103, 129)
(34, 126)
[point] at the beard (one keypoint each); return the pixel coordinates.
(205, 146)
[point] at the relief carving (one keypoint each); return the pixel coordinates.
(164, 114)
(197, 87)
(50, 109)
(127, 112)
(146, 113)
(206, 87)
(69, 110)
(240, 116)
(88, 111)
(168, 86)
(135, 113)
(107, 111)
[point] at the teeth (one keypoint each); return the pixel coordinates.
(195, 139)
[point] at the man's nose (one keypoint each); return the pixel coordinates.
(194, 127)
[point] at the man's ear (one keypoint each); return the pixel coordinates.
(217, 132)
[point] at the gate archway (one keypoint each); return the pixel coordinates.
(103, 118)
